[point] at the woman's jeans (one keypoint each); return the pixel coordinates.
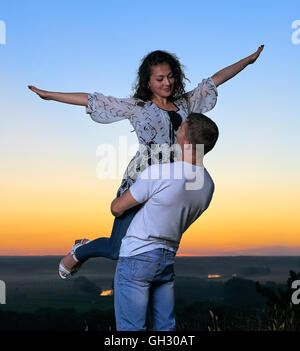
(145, 283)
(108, 247)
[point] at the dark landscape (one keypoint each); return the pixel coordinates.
(212, 293)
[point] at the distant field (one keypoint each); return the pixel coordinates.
(33, 282)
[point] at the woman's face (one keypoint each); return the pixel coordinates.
(161, 80)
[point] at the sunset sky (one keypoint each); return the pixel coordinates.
(50, 192)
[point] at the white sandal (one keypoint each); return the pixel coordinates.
(63, 272)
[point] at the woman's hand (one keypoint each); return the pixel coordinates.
(230, 71)
(68, 98)
(253, 57)
(43, 94)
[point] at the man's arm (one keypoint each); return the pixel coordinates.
(68, 98)
(123, 203)
(230, 71)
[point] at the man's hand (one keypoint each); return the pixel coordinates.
(114, 208)
(254, 57)
(123, 203)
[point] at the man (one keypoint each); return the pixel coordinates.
(145, 270)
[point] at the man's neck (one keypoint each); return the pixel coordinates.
(193, 161)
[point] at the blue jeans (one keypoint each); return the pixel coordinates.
(108, 247)
(145, 283)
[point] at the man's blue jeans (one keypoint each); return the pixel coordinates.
(141, 282)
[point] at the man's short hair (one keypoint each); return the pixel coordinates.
(201, 130)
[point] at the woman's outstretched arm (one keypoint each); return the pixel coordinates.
(230, 71)
(68, 98)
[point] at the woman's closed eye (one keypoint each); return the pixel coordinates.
(161, 79)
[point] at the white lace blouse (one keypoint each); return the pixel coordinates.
(151, 123)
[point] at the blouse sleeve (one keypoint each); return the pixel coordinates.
(204, 97)
(108, 109)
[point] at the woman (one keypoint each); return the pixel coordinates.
(156, 110)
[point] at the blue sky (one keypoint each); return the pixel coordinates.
(97, 46)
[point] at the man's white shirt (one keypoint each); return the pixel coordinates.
(174, 195)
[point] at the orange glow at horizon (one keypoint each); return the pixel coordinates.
(44, 216)
(213, 276)
(107, 293)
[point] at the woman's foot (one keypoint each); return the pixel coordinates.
(69, 265)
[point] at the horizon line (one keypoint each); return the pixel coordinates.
(181, 255)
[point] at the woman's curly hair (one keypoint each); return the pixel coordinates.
(142, 91)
